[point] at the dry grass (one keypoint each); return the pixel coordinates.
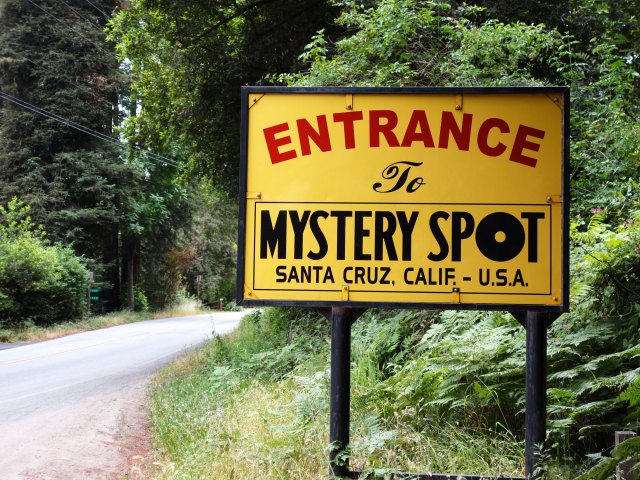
(231, 429)
(250, 436)
(33, 333)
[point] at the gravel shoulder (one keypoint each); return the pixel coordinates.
(104, 437)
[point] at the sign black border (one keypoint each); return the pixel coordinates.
(242, 193)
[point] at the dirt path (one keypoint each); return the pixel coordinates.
(105, 437)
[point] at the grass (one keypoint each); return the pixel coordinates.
(34, 333)
(246, 437)
(254, 404)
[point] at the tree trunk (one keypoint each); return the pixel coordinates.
(131, 277)
(111, 260)
(128, 269)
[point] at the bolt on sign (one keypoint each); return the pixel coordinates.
(422, 197)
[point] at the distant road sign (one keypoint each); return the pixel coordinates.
(95, 293)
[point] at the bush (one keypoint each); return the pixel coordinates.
(217, 288)
(39, 283)
(141, 302)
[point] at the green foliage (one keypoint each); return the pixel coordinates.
(188, 61)
(467, 368)
(39, 283)
(587, 20)
(606, 136)
(212, 239)
(187, 232)
(17, 223)
(72, 77)
(627, 451)
(141, 304)
(272, 343)
(632, 393)
(498, 54)
(399, 43)
(607, 266)
(157, 220)
(377, 53)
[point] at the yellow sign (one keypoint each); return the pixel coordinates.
(451, 198)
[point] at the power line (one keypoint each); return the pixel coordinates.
(68, 27)
(42, 9)
(33, 108)
(69, 123)
(21, 56)
(83, 129)
(53, 116)
(93, 24)
(87, 130)
(98, 9)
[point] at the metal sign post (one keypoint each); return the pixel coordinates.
(340, 396)
(341, 319)
(536, 390)
(535, 323)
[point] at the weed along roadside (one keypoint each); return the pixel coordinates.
(255, 404)
(368, 207)
(12, 337)
(430, 392)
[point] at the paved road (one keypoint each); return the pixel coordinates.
(53, 392)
